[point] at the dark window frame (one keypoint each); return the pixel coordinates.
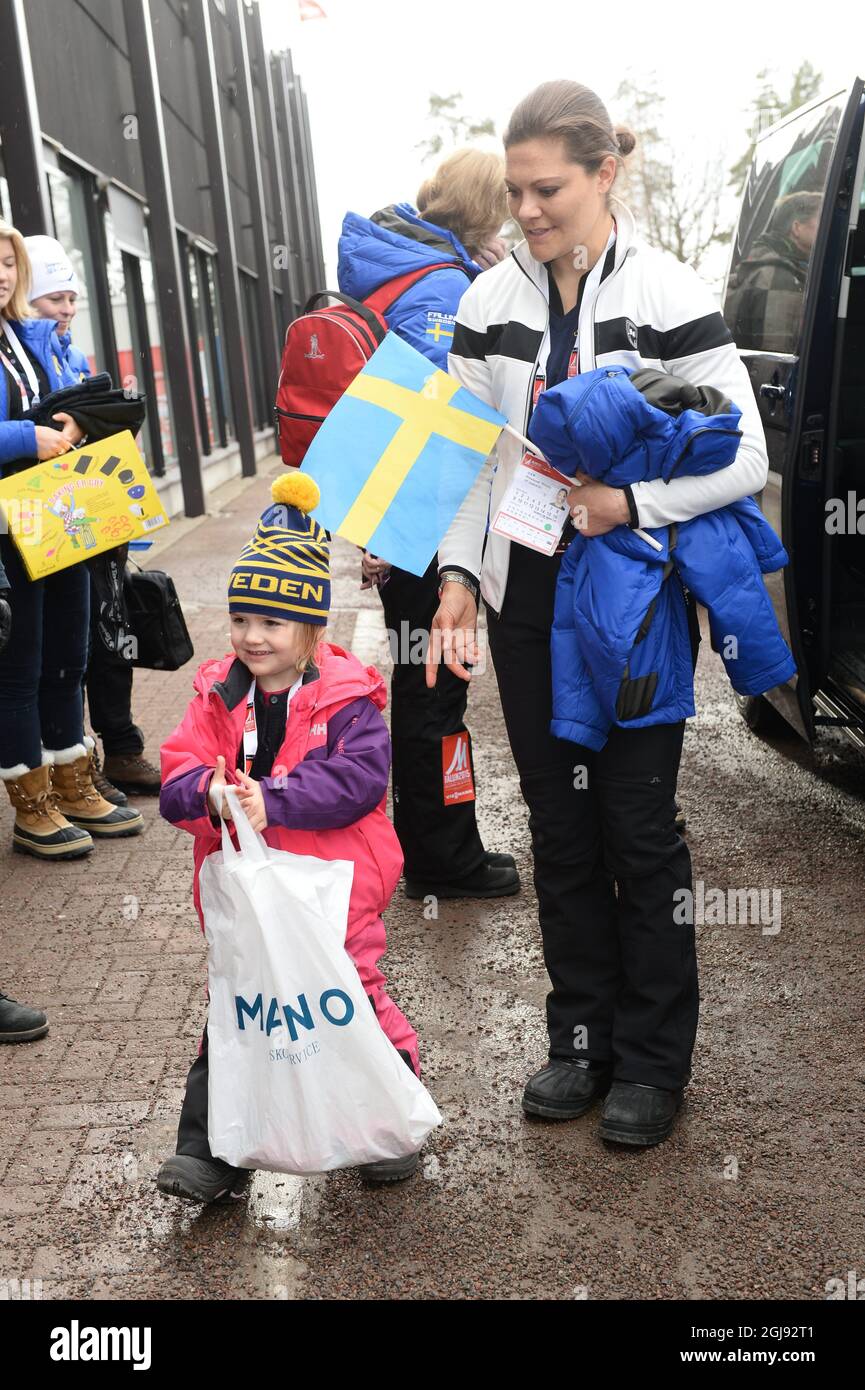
(206, 288)
(186, 252)
(143, 350)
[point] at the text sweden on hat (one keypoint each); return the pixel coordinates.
(269, 584)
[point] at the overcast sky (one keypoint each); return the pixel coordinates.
(370, 66)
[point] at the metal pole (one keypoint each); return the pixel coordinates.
(166, 259)
(270, 342)
(226, 261)
(20, 130)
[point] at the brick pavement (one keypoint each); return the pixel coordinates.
(503, 1208)
(111, 948)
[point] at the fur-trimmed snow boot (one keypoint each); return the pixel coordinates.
(39, 827)
(79, 800)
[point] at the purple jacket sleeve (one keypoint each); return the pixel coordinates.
(326, 793)
(183, 801)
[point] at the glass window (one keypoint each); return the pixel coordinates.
(139, 343)
(153, 345)
(203, 316)
(120, 312)
(777, 229)
(198, 330)
(214, 314)
(71, 228)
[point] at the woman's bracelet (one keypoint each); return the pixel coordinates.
(458, 577)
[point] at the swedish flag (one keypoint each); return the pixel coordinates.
(397, 454)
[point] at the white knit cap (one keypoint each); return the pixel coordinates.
(50, 267)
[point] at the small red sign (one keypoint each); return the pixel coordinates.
(457, 777)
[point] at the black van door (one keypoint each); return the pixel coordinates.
(781, 303)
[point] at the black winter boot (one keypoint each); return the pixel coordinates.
(639, 1115)
(486, 881)
(18, 1023)
(563, 1090)
(201, 1179)
(389, 1169)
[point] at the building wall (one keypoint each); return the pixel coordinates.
(83, 83)
(85, 100)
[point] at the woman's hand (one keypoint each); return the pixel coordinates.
(71, 429)
(597, 508)
(453, 635)
(251, 798)
(50, 444)
(216, 792)
(490, 253)
(374, 570)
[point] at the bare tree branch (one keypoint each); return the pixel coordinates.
(678, 209)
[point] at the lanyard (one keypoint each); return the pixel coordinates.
(588, 289)
(250, 726)
(26, 380)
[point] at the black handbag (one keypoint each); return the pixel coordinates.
(156, 621)
(108, 613)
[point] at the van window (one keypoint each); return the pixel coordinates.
(777, 228)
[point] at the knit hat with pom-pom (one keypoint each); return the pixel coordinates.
(284, 571)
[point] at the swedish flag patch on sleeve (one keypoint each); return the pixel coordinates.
(440, 325)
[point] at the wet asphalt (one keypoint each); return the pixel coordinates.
(757, 1194)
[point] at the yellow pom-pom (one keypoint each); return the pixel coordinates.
(296, 489)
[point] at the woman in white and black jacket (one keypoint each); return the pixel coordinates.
(581, 291)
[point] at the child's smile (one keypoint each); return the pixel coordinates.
(268, 646)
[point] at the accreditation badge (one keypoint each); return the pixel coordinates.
(457, 777)
(534, 508)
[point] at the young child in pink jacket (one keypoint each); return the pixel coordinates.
(295, 723)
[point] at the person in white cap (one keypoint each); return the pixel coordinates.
(54, 291)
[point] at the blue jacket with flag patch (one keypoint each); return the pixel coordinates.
(394, 242)
(621, 650)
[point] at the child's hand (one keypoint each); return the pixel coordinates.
(216, 792)
(251, 799)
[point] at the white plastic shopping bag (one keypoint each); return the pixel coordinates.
(301, 1077)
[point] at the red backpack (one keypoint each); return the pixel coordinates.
(323, 352)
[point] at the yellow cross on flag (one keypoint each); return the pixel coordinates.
(397, 454)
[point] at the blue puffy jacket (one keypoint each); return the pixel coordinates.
(392, 243)
(18, 437)
(620, 644)
(74, 357)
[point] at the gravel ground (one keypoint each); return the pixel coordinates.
(754, 1196)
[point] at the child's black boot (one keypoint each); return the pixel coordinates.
(201, 1179)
